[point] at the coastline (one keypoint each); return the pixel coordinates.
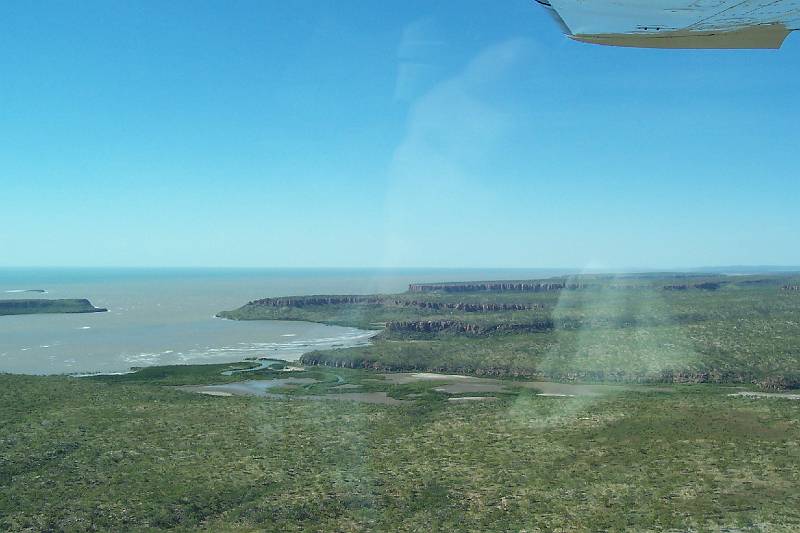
(289, 347)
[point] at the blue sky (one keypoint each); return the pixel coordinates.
(363, 133)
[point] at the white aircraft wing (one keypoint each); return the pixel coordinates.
(678, 23)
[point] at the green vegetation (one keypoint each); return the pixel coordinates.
(42, 306)
(340, 446)
(645, 328)
(127, 453)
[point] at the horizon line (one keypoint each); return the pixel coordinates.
(775, 267)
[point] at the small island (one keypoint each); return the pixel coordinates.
(42, 306)
(40, 291)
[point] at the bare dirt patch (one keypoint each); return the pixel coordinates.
(405, 378)
(461, 388)
(785, 396)
(472, 399)
(262, 389)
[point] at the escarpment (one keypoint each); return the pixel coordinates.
(509, 286)
(467, 307)
(456, 326)
(693, 328)
(306, 301)
(309, 301)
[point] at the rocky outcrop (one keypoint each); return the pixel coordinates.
(467, 307)
(496, 286)
(455, 326)
(306, 301)
(791, 288)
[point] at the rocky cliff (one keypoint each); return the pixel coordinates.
(455, 326)
(306, 301)
(467, 307)
(496, 286)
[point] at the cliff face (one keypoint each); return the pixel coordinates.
(308, 301)
(304, 301)
(515, 286)
(30, 307)
(561, 285)
(454, 326)
(467, 307)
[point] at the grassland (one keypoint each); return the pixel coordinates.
(676, 328)
(146, 452)
(133, 453)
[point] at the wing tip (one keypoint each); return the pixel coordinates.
(764, 36)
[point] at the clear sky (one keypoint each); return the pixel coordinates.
(311, 133)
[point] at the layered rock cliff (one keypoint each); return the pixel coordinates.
(467, 307)
(510, 286)
(455, 326)
(305, 301)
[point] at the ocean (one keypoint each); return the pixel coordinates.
(166, 316)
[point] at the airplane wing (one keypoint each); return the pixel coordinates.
(677, 23)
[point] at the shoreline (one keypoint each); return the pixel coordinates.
(272, 351)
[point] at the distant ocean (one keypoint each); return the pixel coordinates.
(166, 316)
